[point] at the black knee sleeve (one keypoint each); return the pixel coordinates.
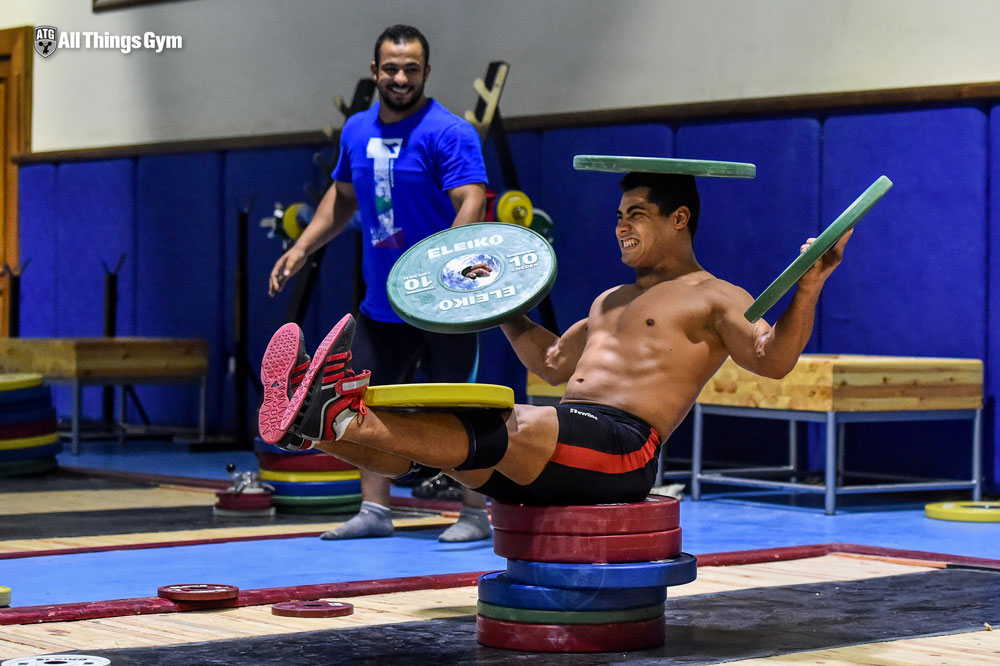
(487, 432)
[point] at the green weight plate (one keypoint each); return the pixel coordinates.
(427, 289)
(531, 616)
(541, 222)
(823, 242)
(315, 500)
(622, 164)
(324, 509)
(28, 466)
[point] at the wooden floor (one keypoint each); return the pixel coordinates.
(29, 503)
(971, 649)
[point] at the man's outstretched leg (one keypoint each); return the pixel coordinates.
(327, 408)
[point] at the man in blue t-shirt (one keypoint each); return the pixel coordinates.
(410, 168)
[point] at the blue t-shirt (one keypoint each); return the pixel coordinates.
(401, 174)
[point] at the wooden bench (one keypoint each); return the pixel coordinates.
(118, 361)
(835, 389)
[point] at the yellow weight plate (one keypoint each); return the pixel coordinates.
(290, 221)
(303, 477)
(514, 207)
(29, 442)
(971, 512)
(4, 596)
(483, 396)
(19, 380)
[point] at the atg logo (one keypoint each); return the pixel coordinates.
(46, 40)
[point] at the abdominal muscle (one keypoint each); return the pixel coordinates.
(655, 379)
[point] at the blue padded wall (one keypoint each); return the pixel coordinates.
(263, 177)
(912, 282)
(583, 204)
(95, 207)
(750, 230)
(180, 287)
(38, 222)
(991, 456)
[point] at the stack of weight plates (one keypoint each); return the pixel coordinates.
(582, 578)
(309, 481)
(29, 437)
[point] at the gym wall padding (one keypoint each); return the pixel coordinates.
(912, 282)
(37, 228)
(991, 454)
(181, 290)
(94, 209)
(583, 206)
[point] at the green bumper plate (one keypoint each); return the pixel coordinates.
(823, 242)
(531, 616)
(428, 288)
(622, 164)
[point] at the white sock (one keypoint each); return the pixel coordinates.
(472, 525)
(373, 520)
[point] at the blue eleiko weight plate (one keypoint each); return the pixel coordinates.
(309, 488)
(498, 589)
(675, 571)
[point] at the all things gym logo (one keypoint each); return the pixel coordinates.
(49, 38)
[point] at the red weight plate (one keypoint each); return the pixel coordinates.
(197, 592)
(615, 637)
(238, 501)
(656, 514)
(313, 462)
(312, 609)
(578, 549)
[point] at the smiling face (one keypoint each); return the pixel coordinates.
(645, 235)
(400, 74)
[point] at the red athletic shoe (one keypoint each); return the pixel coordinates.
(325, 402)
(281, 371)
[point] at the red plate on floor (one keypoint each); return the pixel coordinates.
(656, 514)
(312, 609)
(243, 501)
(197, 592)
(616, 637)
(312, 462)
(600, 549)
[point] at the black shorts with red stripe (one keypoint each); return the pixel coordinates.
(604, 456)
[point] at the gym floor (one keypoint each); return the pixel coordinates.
(88, 541)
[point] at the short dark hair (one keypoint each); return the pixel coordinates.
(669, 191)
(399, 34)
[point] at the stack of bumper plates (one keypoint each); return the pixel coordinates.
(582, 578)
(309, 481)
(29, 436)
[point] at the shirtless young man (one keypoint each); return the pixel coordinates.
(633, 369)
